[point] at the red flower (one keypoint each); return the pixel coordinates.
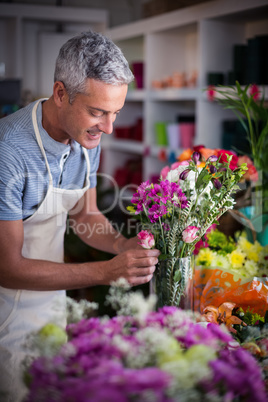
(211, 92)
(221, 153)
(254, 91)
(198, 147)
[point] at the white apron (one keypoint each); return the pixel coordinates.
(24, 311)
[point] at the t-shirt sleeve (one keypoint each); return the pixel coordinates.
(12, 179)
(94, 157)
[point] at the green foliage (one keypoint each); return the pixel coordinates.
(249, 317)
(244, 105)
(221, 243)
(256, 326)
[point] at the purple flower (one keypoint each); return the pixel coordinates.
(156, 212)
(217, 183)
(93, 364)
(157, 198)
(212, 169)
(217, 332)
(238, 372)
(184, 174)
(212, 158)
(196, 157)
(166, 227)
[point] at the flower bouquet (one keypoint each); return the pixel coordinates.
(231, 271)
(250, 175)
(143, 355)
(249, 329)
(241, 214)
(177, 212)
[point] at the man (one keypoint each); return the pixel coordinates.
(49, 155)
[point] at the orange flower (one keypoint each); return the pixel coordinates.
(185, 155)
(223, 315)
(207, 152)
(244, 159)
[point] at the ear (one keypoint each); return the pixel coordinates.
(59, 93)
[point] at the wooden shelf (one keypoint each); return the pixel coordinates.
(172, 94)
(129, 146)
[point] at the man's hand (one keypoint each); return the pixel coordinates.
(136, 266)
(123, 244)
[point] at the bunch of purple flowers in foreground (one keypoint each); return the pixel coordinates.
(162, 356)
(179, 210)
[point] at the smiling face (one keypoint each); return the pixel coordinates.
(90, 115)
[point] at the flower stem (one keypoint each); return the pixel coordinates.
(182, 250)
(250, 130)
(163, 237)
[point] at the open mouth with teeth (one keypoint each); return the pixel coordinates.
(94, 134)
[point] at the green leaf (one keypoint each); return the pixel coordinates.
(131, 209)
(163, 257)
(200, 178)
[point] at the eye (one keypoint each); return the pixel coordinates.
(96, 114)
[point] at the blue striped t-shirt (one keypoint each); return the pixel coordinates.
(23, 172)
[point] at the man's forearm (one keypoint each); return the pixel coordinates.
(96, 231)
(33, 274)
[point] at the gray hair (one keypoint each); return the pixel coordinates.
(90, 55)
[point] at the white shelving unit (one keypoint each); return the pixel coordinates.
(31, 36)
(198, 38)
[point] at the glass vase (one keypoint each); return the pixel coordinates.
(172, 282)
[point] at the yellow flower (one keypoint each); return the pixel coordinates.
(264, 256)
(254, 252)
(253, 255)
(258, 246)
(205, 257)
(244, 244)
(237, 258)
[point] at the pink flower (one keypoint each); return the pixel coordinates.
(189, 234)
(164, 172)
(252, 173)
(203, 243)
(175, 165)
(146, 239)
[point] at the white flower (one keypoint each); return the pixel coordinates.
(76, 311)
(141, 306)
(251, 268)
(173, 175)
(220, 261)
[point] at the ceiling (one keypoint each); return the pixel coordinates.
(120, 11)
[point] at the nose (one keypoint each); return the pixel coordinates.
(106, 125)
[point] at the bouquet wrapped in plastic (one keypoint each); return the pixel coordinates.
(229, 271)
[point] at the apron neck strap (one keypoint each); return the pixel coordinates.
(39, 141)
(88, 165)
(38, 138)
